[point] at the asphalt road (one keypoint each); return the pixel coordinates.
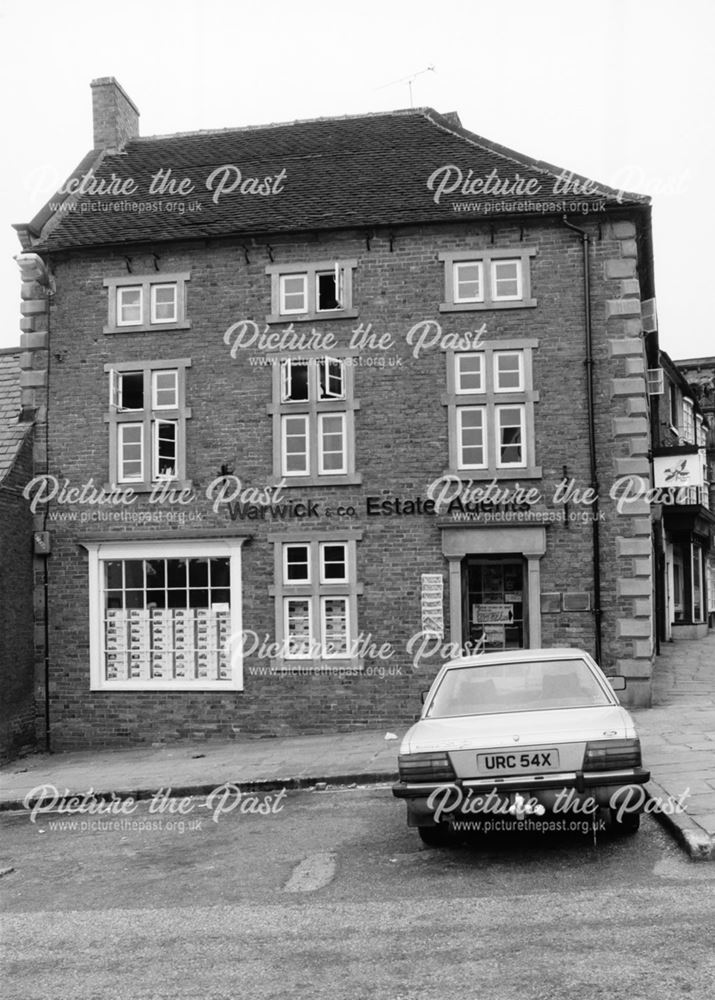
(330, 896)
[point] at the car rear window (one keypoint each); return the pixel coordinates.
(516, 687)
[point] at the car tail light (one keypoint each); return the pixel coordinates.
(425, 767)
(612, 755)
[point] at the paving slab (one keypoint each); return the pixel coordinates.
(678, 739)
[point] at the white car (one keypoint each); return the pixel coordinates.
(516, 735)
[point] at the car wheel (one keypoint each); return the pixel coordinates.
(627, 825)
(434, 836)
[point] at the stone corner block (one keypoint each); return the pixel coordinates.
(625, 346)
(30, 379)
(633, 628)
(641, 668)
(628, 386)
(622, 307)
(620, 268)
(623, 229)
(633, 587)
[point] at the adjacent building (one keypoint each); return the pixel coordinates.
(17, 638)
(700, 376)
(328, 402)
(683, 522)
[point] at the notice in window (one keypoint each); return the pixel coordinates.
(433, 605)
(501, 614)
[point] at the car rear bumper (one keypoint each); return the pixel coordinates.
(578, 780)
(565, 792)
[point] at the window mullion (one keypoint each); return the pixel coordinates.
(315, 604)
(147, 421)
(312, 291)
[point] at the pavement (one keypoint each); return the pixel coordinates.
(678, 740)
(677, 734)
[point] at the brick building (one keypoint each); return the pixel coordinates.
(17, 695)
(699, 374)
(326, 402)
(683, 522)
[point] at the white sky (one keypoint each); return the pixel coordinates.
(619, 91)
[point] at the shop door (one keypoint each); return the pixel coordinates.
(494, 599)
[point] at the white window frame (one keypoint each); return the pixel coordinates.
(309, 271)
(284, 442)
(333, 544)
(284, 310)
(154, 288)
(461, 391)
(156, 429)
(489, 258)
(148, 417)
(155, 404)
(498, 410)
(286, 630)
(120, 306)
(322, 470)
(458, 265)
(337, 274)
(491, 399)
(319, 588)
(314, 408)
(121, 443)
(296, 545)
(494, 266)
(102, 551)
(116, 391)
(147, 284)
(325, 364)
(323, 623)
(482, 410)
(286, 369)
(520, 370)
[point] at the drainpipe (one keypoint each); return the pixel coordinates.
(585, 241)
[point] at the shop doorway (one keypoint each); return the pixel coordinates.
(494, 605)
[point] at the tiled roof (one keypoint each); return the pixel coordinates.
(12, 433)
(370, 170)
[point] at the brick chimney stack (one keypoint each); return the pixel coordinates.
(114, 114)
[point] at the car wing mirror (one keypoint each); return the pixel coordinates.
(423, 696)
(617, 683)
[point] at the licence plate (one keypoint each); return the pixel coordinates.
(518, 761)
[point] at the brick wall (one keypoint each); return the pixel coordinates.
(17, 706)
(401, 446)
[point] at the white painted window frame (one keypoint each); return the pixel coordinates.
(482, 410)
(510, 354)
(460, 390)
(285, 471)
(122, 444)
(498, 410)
(146, 283)
(491, 399)
(296, 545)
(314, 473)
(343, 267)
(101, 551)
(457, 266)
(333, 544)
(322, 470)
(452, 260)
(121, 292)
(154, 288)
(494, 266)
(348, 589)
